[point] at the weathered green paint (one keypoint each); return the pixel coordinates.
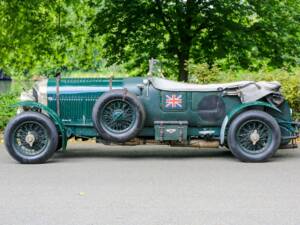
(237, 110)
(78, 96)
(55, 118)
(251, 104)
(153, 103)
(170, 130)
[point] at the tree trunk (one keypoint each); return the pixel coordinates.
(182, 67)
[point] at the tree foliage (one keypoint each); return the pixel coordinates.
(238, 32)
(41, 36)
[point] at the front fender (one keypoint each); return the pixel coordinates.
(239, 109)
(52, 114)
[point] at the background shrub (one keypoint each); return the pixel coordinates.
(200, 73)
(10, 98)
(290, 80)
(6, 112)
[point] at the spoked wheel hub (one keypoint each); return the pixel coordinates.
(30, 138)
(118, 116)
(253, 136)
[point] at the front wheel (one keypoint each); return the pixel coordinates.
(254, 136)
(31, 137)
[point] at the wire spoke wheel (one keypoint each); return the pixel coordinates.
(30, 138)
(254, 136)
(118, 116)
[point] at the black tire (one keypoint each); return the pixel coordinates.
(247, 148)
(123, 97)
(59, 144)
(44, 133)
(284, 143)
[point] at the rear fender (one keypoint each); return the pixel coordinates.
(52, 114)
(233, 113)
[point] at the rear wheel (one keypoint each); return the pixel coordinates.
(31, 137)
(254, 136)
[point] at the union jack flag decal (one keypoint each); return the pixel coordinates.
(173, 101)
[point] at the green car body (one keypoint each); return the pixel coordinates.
(173, 113)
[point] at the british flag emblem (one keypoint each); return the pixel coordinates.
(174, 101)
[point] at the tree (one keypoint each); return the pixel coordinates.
(41, 36)
(204, 30)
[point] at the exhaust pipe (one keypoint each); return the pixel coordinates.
(204, 144)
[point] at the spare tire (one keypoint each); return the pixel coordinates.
(118, 116)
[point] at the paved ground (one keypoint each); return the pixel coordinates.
(150, 185)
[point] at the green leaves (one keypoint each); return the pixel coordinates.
(241, 32)
(39, 36)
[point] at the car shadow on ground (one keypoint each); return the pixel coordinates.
(135, 153)
(159, 152)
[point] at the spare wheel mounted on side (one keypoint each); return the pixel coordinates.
(118, 116)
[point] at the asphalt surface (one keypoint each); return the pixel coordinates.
(93, 184)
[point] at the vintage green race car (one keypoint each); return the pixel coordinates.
(252, 119)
